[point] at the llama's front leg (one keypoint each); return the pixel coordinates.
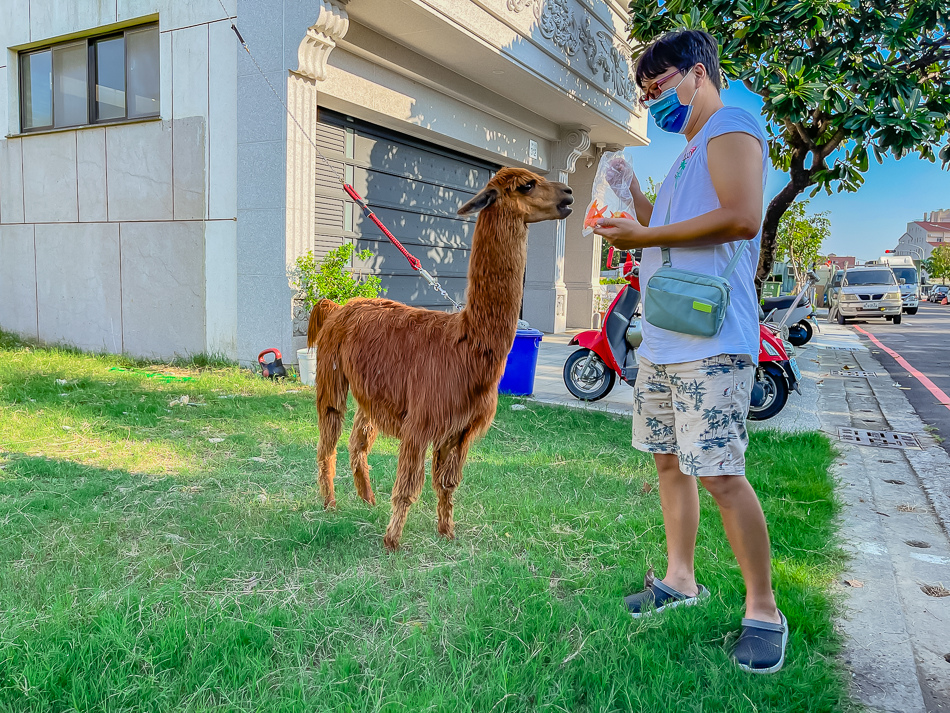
(361, 441)
(447, 462)
(331, 424)
(410, 474)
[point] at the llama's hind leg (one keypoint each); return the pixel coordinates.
(332, 388)
(331, 424)
(410, 475)
(361, 441)
(447, 462)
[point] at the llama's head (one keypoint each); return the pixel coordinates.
(527, 194)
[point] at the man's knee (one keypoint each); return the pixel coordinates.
(724, 487)
(667, 463)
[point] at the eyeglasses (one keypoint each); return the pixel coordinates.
(654, 90)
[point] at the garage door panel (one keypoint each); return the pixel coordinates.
(412, 290)
(387, 259)
(418, 229)
(408, 161)
(328, 178)
(415, 189)
(331, 137)
(387, 190)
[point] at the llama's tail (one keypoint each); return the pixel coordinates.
(318, 316)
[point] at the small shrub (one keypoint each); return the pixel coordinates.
(330, 279)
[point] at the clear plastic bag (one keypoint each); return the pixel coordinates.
(610, 196)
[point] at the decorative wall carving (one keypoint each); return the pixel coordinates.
(573, 141)
(331, 25)
(571, 31)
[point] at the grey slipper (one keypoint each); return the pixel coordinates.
(657, 597)
(761, 645)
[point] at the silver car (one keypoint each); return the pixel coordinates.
(869, 292)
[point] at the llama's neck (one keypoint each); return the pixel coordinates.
(495, 280)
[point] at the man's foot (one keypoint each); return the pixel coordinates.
(657, 597)
(761, 645)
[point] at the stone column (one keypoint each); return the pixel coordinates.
(302, 88)
(545, 294)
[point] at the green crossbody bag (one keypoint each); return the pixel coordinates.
(689, 302)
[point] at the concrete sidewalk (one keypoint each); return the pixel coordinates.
(894, 523)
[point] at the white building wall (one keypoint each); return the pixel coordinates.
(124, 235)
(173, 236)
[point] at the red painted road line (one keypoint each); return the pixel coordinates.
(942, 398)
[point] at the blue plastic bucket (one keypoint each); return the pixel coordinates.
(522, 364)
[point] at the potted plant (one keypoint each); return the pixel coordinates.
(327, 278)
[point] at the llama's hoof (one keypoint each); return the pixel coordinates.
(329, 504)
(447, 532)
(389, 544)
(370, 500)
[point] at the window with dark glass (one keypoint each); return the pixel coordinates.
(99, 79)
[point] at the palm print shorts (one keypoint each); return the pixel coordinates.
(695, 410)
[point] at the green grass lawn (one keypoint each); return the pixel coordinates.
(159, 557)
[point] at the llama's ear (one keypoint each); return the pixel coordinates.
(480, 201)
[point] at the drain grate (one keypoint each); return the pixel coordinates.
(852, 372)
(881, 439)
(845, 349)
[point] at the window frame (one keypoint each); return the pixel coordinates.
(92, 112)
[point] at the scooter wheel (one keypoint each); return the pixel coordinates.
(595, 384)
(800, 334)
(775, 384)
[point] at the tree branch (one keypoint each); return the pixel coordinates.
(829, 146)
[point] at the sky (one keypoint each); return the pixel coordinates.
(863, 224)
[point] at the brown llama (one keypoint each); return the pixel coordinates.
(429, 377)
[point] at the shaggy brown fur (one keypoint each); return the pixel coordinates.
(429, 377)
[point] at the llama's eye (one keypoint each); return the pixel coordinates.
(527, 187)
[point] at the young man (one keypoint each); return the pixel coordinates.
(692, 393)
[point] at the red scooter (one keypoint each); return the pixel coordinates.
(591, 371)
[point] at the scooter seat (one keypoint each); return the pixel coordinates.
(770, 303)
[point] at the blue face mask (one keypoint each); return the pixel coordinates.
(669, 114)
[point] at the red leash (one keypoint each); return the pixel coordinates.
(413, 261)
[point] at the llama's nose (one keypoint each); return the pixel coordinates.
(568, 190)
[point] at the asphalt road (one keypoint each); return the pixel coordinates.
(923, 340)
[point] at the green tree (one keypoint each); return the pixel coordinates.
(330, 277)
(839, 79)
(937, 266)
(800, 236)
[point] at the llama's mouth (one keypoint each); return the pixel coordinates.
(564, 207)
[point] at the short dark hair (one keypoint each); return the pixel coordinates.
(682, 49)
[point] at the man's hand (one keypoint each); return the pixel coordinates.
(624, 233)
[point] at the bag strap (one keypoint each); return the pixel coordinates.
(730, 268)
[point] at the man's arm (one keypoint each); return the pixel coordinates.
(641, 204)
(735, 166)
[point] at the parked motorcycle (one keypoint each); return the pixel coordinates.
(591, 372)
(776, 376)
(793, 312)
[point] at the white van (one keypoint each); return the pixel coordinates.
(869, 291)
(908, 277)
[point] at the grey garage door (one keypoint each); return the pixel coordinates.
(415, 189)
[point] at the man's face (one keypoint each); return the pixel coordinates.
(654, 86)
